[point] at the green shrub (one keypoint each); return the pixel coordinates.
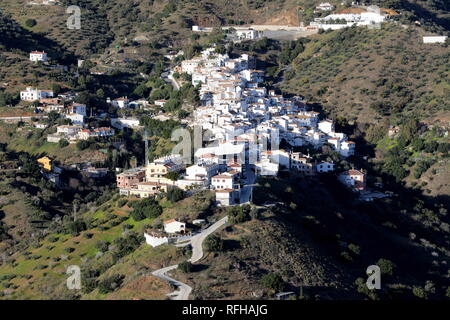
(273, 281)
(63, 143)
(102, 245)
(89, 280)
(214, 244)
(76, 227)
(30, 23)
(69, 249)
(122, 202)
(345, 255)
(354, 249)
(124, 246)
(110, 284)
(52, 239)
(419, 292)
(386, 266)
(147, 208)
(175, 194)
(239, 214)
(185, 266)
(172, 175)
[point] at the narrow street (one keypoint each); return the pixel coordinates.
(249, 182)
(167, 76)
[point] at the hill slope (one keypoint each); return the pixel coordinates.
(363, 74)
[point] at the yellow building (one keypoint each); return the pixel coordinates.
(147, 189)
(46, 163)
(160, 167)
(156, 170)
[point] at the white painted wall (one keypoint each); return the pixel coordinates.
(155, 241)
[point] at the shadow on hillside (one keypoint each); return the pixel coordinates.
(231, 245)
(199, 267)
(423, 12)
(14, 37)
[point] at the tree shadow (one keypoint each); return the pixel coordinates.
(199, 267)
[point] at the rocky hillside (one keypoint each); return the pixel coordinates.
(316, 239)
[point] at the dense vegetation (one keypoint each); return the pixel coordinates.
(317, 235)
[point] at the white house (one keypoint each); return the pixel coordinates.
(325, 167)
(141, 103)
(354, 179)
(68, 130)
(121, 123)
(354, 16)
(222, 181)
(347, 148)
(198, 78)
(36, 56)
(266, 168)
(77, 108)
(253, 75)
(434, 39)
(227, 197)
(189, 66)
(160, 103)
(120, 103)
(202, 171)
(96, 133)
(31, 94)
(75, 118)
(174, 226)
(326, 126)
(155, 240)
(325, 6)
(198, 175)
(247, 34)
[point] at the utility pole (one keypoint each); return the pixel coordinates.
(74, 212)
(146, 147)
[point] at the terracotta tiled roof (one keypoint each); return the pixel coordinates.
(353, 172)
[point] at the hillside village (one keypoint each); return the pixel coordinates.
(243, 119)
(243, 125)
(245, 150)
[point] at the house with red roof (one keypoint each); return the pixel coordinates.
(354, 179)
(37, 56)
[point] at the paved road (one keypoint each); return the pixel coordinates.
(196, 242)
(249, 183)
(183, 289)
(174, 82)
(22, 118)
(288, 34)
(167, 76)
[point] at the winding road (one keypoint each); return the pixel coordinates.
(19, 118)
(167, 76)
(196, 242)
